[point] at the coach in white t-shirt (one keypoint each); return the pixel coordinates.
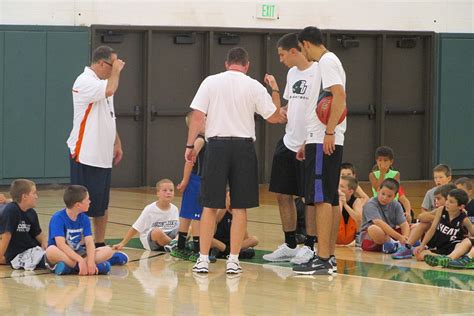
(287, 177)
(94, 143)
(323, 153)
(229, 99)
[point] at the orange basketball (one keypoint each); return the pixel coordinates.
(324, 109)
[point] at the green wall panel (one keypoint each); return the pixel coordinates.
(67, 54)
(2, 46)
(24, 104)
(456, 102)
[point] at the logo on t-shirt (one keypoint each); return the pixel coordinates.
(300, 86)
(23, 227)
(74, 238)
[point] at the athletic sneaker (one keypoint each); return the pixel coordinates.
(333, 263)
(247, 253)
(61, 268)
(169, 247)
(283, 253)
(314, 266)
(390, 246)
(103, 267)
(201, 266)
(181, 253)
(193, 256)
(403, 253)
(119, 258)
(435, 260)
(462, 263)
(303, 255)
(233, 267)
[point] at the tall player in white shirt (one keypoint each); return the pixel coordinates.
(323, 153)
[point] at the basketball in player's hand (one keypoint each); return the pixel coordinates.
(324, 109)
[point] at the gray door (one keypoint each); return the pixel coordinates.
(129, 103)
(404, 103)
(360, 65)
(176, 71)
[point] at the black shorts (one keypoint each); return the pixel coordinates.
(233, 161)
(287, 172)
(445, 249)
(97, 182)
(322, 174)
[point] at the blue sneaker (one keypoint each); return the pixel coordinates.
(103, 267)
(390, 247)
(61, 268)
(402, 253)
(119, 258)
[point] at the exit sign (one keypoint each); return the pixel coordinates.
(267, 11)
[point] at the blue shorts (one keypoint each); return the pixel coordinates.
(190, 206)
(97, 182)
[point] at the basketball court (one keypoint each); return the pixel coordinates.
(156, 283)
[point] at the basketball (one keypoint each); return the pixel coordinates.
(323, 109)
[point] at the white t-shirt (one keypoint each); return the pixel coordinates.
(332, 74)
(92, 138)
(230, 99)
(301, 91)
(152, 216)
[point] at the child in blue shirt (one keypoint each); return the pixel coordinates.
(70, 245)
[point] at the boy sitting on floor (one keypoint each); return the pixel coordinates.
(380, 218)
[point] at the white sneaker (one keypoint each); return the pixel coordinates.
(233, 267)
(201, 266)
(283, 253)
(303, 255)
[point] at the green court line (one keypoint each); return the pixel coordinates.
(462, 279)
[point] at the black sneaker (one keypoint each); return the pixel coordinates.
(333, 262)
(248, 253)
(314, 266)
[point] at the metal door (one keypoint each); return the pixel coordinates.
(129, 102)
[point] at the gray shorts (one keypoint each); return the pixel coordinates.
(156, 247)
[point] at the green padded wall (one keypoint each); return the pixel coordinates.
(38, 65)
(67, 54)
(456, 102)
(24, 104)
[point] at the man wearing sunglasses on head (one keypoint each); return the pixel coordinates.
(94, 143)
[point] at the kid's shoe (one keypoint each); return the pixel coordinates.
(172, 245)
(193, 256)
(303, 255)
(390, 247)
(233, 267)
(103, 267)
(119, 258)
(282, 253)
(183, 254)
(201, 266)
(435, 260)
(462, 263)
(248, 253)
(403, 253)
(61, 269)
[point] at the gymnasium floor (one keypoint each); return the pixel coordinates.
(155, 283)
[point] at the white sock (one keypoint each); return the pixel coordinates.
(233, 257)
(204, 257)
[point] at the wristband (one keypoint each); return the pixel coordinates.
(190, 146)
(277, 91)
(329, 134)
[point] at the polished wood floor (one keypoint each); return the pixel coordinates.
(155, 283)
